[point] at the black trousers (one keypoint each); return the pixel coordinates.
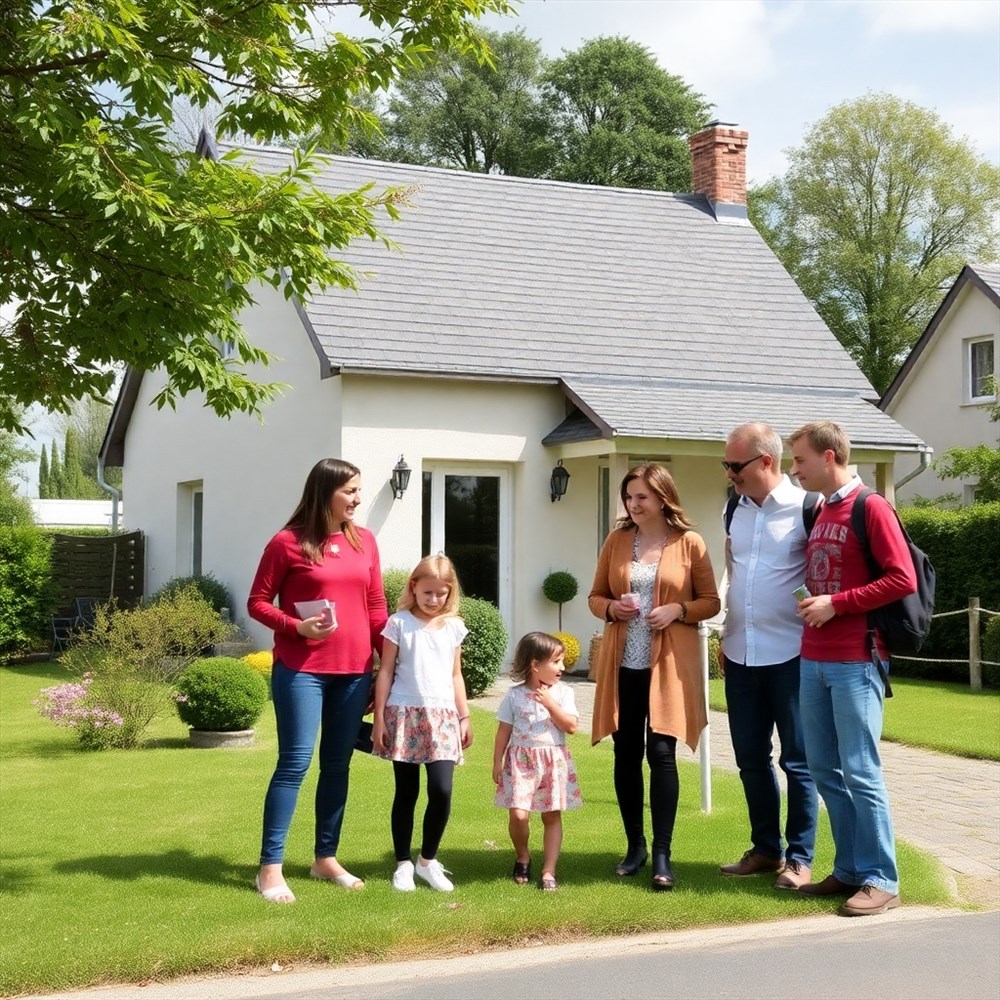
(634, 740)
(440, 774)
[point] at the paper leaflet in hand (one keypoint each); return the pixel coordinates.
(327, 610)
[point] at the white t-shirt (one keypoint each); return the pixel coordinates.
(533, 726)
(426, 660)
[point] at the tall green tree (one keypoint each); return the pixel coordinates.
(15, 508)
(88, 419)
(621, 119)
(74, 486)
(483, 116)
(118, 249)
(55, 488)
(880, 208)
(43, 475)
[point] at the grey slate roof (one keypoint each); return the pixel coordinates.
(513, 278)
(991, 275)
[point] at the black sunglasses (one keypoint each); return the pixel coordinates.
(738, 467)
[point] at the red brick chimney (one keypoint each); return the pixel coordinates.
(719, 169)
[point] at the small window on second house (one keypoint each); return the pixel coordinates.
(982, 368)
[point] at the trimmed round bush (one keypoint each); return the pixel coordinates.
(393, 582)
(572, 646)
(220, 694)
(485, 646)
(560, 587)
(214, 591)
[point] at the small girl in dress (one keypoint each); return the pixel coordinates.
(532, 765)
(421, 713)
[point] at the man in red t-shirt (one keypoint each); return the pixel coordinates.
(841, 691)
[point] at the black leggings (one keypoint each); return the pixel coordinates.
(439, 780)
(632, 740)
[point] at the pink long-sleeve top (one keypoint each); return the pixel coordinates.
(352, 580)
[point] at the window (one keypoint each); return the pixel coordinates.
(981, 370)
(190, 519)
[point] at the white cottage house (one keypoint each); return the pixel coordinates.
(522, 325)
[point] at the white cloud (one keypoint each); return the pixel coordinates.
(897, 17)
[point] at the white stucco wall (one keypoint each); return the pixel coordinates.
(932, 403)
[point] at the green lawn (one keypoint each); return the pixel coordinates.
(127, 865)
(934, 715)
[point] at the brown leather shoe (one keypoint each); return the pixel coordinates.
(830, 886)
(794, 876)
(753, 863)
(868, 901)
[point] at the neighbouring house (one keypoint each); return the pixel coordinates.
(943, 391)
(521, 326)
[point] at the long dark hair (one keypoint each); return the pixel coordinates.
(661, 483)
(311, 520)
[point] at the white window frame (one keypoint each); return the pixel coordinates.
(970, 389)
(187, 514)
(438, 471)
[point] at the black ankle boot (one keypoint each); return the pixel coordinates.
(663, 874)
(634, 858)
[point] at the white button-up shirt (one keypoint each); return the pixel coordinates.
(767, 562)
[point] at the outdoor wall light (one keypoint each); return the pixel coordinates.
(400, 478)
(558, 482)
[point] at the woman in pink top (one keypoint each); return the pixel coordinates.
(322, 663)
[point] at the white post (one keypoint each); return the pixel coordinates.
(704, 743)
(975, 653)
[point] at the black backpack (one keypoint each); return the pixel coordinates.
(905, 623)
(810, 510)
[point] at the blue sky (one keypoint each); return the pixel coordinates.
(776, 66)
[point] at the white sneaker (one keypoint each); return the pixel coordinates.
(433, 873)
(402, 877)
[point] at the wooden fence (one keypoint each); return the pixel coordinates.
(98, 567)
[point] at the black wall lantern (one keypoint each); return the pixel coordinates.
(558, 482)
(400, 478)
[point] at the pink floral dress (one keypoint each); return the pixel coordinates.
(538, 771)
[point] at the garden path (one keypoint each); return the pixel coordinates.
(947, 806)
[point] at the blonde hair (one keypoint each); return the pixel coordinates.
(825, 435)
(438, 567)
(530, 649)
(661, 484)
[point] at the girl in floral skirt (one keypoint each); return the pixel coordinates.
(421, 713)
(532, 765)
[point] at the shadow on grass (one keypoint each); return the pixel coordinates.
(208, 869)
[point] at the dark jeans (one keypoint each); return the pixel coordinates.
(761, 699)
(302, 704)
(439, 781)
(633, 740)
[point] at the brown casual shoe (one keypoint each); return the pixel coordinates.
(830, 886)
(753, 863)
(868, 901)
(794, 876)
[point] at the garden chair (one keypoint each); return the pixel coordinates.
(85, 612)
(62, 632)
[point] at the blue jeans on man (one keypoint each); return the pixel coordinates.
(760, 700)
(842, 717)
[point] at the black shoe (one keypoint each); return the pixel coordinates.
(634, 859)
(663, 874)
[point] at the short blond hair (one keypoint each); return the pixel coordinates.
(438, 567)
(825, 435)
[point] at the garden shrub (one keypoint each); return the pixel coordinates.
(133, 656)
(220, 694)
(70, 705)
(560, 587)
(26, 594)
(572, 647)
(990, 645)
(394, 582)
(211, 589)
(714, 643)
(964, 546)
(485, 645)
(260, 661)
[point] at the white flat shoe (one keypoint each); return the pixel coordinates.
(277, 893)
(346, 881)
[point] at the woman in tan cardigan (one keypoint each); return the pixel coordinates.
(649, 686)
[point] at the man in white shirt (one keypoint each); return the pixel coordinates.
(766, 561)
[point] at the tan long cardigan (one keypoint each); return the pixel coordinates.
(676, 697)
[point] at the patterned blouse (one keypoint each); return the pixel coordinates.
(638, 653)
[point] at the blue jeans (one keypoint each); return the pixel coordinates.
(842, 719)
(302, 703)
(761, 699)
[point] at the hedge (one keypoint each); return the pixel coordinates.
(25, 588)
(964, 546)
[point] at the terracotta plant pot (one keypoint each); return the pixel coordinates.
(208, 739)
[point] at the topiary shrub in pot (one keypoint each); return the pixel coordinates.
(221, 699)
(560, 587)
(485, 646)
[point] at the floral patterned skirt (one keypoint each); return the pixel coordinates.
(422, 735)
(540, 779)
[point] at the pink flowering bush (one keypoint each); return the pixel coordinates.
(73, 706)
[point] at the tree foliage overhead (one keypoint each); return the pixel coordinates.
(116, 248)
(606, 113)
(879, 210)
